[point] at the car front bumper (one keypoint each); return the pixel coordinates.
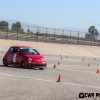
(37, 65)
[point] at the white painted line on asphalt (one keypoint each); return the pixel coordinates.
(74, 70)
(24, 77)
(66, 65)
(79, 85)
(82, 85)
(73, 59)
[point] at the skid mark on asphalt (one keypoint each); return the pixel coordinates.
(69, 65)
(73, 70)
(23, 77)
(74, 60)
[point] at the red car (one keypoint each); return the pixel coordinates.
(24, 56)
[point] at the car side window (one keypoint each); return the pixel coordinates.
(36, 51)
(16, 50)
(11, 50)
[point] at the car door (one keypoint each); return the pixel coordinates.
(18, 56)
(10, 55)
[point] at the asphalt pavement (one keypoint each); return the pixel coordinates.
(34, 84)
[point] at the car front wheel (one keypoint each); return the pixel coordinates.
(22, 64)
(41, 68)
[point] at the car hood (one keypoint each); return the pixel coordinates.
(35, 56)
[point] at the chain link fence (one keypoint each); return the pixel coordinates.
(49, 35)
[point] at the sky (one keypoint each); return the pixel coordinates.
(53, 13)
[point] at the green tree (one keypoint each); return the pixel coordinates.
(31, 32)
(4, 25)
(22, 31)
(16, 26)
(92, 33)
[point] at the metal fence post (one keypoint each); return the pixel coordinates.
(54, 34)
(7, 32)
(77, 37)
(91, 40)
(98, 42)
(62, 36)
(70, 37)
(37, 34)
(17, 33)
(27, 33)
(85, 38)
(46, 35)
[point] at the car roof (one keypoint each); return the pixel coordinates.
(22, 46)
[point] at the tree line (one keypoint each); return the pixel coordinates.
(17, 27)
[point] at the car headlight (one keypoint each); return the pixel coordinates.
(29, 59)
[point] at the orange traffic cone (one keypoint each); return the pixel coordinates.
(59, 79)
(66, 56)
(88, 64)
(54, 66)
(58, 62)
(98, 71)
(82, 59)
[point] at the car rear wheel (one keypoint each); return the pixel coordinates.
(22, 64)
(5, 63)
(41, 68)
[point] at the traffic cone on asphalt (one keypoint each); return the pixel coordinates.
(59, 79)
(98, 71)
(88, 64)
(58, 62)
(82, 59)
(54, 66)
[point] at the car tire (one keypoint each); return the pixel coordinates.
(41, 68)
(22, 64)
(5, 62)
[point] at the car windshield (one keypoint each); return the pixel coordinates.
(30, 51)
